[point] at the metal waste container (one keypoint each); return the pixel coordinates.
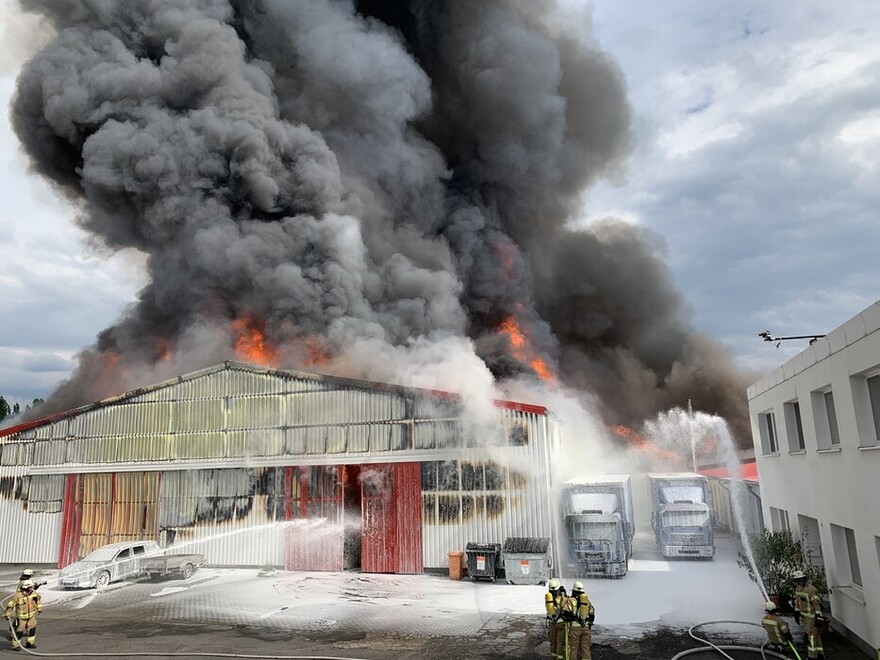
(483, 560)
(526, 560)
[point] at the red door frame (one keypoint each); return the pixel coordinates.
(71, 521)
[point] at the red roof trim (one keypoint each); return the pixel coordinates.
(749, 471)
(34, 423)
(521, 407)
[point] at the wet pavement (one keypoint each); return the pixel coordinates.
(246, 612)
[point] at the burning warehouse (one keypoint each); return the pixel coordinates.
(254, 466)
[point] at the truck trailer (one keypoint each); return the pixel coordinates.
(599, 525)
(681, 516)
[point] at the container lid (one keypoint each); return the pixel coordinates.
(527, 545)
(485, 547)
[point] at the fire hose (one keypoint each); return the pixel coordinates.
(709, 646)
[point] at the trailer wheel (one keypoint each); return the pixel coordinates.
(187, 571)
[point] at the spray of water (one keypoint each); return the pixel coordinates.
(678, 431)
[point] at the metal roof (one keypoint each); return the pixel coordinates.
(284, 373)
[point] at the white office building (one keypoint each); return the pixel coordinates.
(816, 427)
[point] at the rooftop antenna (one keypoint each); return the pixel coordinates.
(768, 337)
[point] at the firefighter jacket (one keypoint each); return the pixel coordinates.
(578, 610)
(806, 600)
(24, 606)
(553, 604)
(777, 629)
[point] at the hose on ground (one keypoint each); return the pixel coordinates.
(709, 646)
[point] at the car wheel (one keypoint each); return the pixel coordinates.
(103, 579)
(187, 571)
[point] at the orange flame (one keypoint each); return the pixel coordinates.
(640, 443)
(250, 342)
(163, 348)
(523, 352)
(317, 351)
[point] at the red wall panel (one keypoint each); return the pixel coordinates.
(391, 518)
(71, 522)
(408, 497)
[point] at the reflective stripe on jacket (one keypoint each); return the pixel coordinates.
(776, 628)
(578, 610)
(24, 606)
(806, 600)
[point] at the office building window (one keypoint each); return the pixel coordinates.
(831, 411)
(767, 428)
(846, 555)
(825, 418)
(877, 543)
(812, 543)
(794, 426)
(874, 397)
(779, 520)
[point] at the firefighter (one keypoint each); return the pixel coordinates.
(579, 615)
(25, 605)
(553, 601)
(808, 613)
(778, 633)
(26, 574)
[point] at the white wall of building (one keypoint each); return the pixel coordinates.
(835, 478)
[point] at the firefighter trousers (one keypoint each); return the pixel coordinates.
(556, 635)
(26, 630)
(579, 640)
(814, 641)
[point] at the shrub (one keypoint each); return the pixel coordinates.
(777, 555)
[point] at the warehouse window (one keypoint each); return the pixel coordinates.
(447, 476)
(457, 491)
(518, 436)
(794, 426)
(767, 428)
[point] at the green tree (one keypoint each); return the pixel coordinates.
(5, 410)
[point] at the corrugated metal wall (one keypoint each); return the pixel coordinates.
(208, 427)
(488, 495)
(30, 517)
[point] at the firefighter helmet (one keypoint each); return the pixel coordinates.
(553, 585)
(27, 573)
(769, 606)
(27, 584)
(577, 586)
(798, 575)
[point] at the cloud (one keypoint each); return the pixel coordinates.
(755, 159)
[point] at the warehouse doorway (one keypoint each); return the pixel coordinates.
(107, 508)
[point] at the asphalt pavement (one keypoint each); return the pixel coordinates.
(247, 612)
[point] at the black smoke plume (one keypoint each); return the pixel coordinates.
(381, 174)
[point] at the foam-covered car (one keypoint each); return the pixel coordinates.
(107, 564)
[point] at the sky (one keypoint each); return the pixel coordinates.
(756, 141)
